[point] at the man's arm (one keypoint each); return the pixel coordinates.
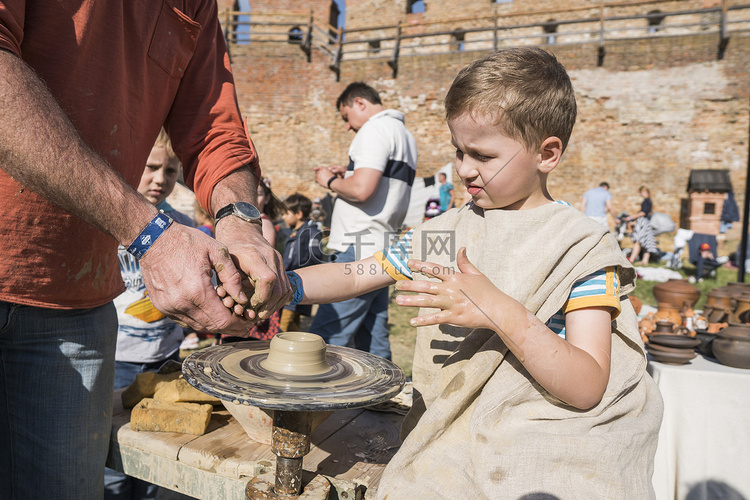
(611, 210)
(40, 148)
(358, 187)
(255, 257)
(452, 201)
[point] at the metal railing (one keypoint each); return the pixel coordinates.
(608, 22)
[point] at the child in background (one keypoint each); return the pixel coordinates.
(204, 223)
(302, 248)
(146, 338)
(203, 220)
(529, 372)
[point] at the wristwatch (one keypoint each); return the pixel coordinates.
(241, 209)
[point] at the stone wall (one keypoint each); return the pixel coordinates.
(653, 109)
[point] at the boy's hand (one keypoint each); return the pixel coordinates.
(465, 298)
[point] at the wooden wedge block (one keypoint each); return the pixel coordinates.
(179, 391)
(144, 386)
(162, 416)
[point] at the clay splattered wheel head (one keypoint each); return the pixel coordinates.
(332, 377)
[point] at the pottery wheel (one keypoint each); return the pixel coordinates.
(233, 372)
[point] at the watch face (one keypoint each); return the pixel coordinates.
(246, 210)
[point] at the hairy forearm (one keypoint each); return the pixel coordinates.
(240, 185)
(40, 149)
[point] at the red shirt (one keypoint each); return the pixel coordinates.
(119, 71)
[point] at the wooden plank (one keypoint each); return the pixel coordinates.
(180, 477)
(359, 451)
(228, 451)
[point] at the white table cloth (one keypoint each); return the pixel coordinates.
(704, 441)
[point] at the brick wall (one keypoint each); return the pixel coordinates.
(651, 112)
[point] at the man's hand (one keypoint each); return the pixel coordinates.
(177, 272)
(324, 174)
(258, 264)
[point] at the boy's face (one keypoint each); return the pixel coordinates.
(292, 218)
(159, 176)
(497, 170)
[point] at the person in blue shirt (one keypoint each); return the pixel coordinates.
(447, 198)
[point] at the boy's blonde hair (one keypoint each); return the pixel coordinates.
(164, 140)
(526, 91)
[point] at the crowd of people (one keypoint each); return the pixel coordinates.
(528, 329)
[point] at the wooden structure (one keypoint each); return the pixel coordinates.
(587, 24)
(701, 212)
(350, 449)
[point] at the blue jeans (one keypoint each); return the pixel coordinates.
(57, 369)
(117, 485)
(361, 322)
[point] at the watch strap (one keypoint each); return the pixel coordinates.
(149, 235)
(223, 212)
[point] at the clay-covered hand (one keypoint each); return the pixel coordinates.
(464, 298)
(177, 271)
(259, 270)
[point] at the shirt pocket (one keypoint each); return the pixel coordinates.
(174, 40)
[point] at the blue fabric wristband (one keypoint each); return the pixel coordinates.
(296, 283)
(150, 233)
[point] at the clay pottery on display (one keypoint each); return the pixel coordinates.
(735, 288)
(743, 305)
(718, 299)
(732, 345)
(672, 349)
(677, 292)
(716, 327)
(706, 342)
(719, 305)
(666, 311)
(664, 326)
(676, 341)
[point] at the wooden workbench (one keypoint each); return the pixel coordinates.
(350, 448)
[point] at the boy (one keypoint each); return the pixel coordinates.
(145, 337)
(529, 373)
(302, 248)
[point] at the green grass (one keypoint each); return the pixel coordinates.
(402, 334)
(644, 290)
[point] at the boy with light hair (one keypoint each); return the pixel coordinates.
(529, 373)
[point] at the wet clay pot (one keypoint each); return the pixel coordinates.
(668, 313)
(732, 346)
(677, 292)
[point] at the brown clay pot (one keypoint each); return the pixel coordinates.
(719, 305)
(732, 346)
(677, 292)
(734, 288)
(664, 326)
(743, 304)
(667, 312)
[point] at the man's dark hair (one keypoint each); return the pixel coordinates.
(604, 185)
(299, 203)
(357, 89)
